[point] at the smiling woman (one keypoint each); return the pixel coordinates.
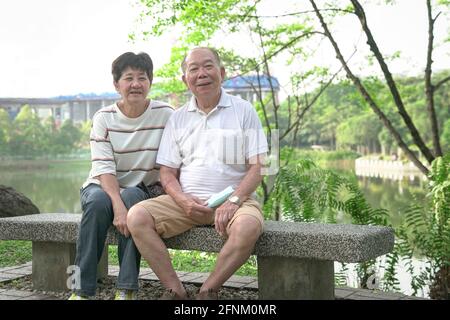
(133, 75)
(124, 140)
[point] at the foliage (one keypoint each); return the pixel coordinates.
(398, 99)
(340, 119)
(29, 137)
(5, 127)
(26, 134)
(320, 156)
(426, 232)
(306, 193)
(446, 135)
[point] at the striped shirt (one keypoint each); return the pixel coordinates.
(212, 150)
(127, 147)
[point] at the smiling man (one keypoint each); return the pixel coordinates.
(213, 142)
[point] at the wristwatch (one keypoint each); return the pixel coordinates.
(235, 200)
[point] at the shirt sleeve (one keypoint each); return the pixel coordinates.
(102, 154)
(169, 150)
(256, 141)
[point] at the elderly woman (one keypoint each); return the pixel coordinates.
(124, 141)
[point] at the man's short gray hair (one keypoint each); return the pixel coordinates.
(212, 50)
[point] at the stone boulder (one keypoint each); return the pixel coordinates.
(14, 203)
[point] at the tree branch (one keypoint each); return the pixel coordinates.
(301, 114)
(429, 89)
(387, 123)
(440, 83)
(297, 13)
(266, 65)
(359, 11)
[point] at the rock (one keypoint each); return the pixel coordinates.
(14, 203)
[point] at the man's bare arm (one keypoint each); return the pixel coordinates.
(248, 185)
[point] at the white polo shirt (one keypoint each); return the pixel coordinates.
(212, 150)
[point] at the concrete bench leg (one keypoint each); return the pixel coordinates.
(102, 267)
(295, 279)
(50, 263)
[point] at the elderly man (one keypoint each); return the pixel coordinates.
(214, 141)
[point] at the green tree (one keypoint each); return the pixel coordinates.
(85, 131)
(398, 100)
(26, 136)
(5, 127)
(48, 139)
(446, 135)
(67, 138)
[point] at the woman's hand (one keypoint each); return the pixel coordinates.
(120, 219)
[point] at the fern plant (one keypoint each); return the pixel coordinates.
(307, 193)
(426, 232)
(304, 192)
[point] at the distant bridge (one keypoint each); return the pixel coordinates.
(78, 108)
(82, 107)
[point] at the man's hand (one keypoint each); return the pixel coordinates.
(120, 219)
(224, 213)
(192, 205)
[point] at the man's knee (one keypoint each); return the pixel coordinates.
(246, 228)
(139, 218)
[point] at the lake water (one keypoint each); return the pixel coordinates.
(55, 188)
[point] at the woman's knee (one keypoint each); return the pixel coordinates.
(97, 202)
(131, 196)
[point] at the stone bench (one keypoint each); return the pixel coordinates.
(295, 260)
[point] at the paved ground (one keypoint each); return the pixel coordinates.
(346, 293)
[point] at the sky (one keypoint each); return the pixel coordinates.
(65, 47)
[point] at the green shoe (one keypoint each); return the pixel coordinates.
(126, 295)
(75, 296)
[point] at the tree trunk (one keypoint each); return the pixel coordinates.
(429, 88)
(387, 123)
(359, 11)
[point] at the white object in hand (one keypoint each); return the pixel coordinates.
(217, 199)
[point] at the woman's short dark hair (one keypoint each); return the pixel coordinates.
(140, 61)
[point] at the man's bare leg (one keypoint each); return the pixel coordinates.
(142, 227)
(243, 234)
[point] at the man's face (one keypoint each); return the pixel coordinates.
(203, 75)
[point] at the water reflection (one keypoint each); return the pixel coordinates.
(53, 189)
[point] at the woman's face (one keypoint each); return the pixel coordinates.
(134, 85)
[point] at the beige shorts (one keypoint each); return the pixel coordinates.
(170, 219)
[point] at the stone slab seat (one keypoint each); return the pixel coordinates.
(295, 260)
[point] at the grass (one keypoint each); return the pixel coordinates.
(192, 261)
(14, 252)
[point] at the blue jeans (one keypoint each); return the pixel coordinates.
(97, 217)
